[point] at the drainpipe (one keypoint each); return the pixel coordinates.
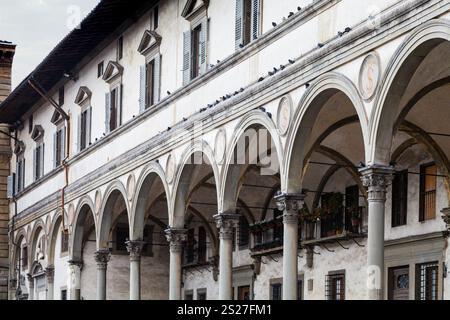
(66, 117)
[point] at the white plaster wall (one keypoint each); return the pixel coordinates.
(61, 269)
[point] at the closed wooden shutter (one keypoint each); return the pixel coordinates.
(427, 201)
(55, 150)
(10, 186)
(239, 24)
(88, 126)
(42, 160)
(63, 143)
(157, 78)
(256, 18)
(142, 88)
(107, 111)
(204, 46)
(34, 164)
(186, 57)
(79, 133)
(119, 104)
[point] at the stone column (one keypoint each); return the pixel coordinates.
(30, 287)
(290, 204)
(74, 280)
(102, 258)
(446, 218)
(225, 223)
(376, 179)
(49, 275)
(134, 249)
(176, 238)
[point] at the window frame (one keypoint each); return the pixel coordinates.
(422, 191)
(399, 196)
(331, 287)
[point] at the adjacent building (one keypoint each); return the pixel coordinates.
(245, 149)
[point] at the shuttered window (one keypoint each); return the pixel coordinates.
(84, 129)
(150, 83)
(59, 147)
(195, 70)
(427, 201)
(20, 174)
(244, 32)
(195, 44)
(399, 198)
(38, 162)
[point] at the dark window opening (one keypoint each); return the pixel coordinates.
(196, 51)
(24, 257)
(244, 293)
(121, 238)
(149, 85)
(276, 291)
(59, 145)
(247, 23)
(155, 17)
(83, 128)
(201, 244)
(113, 110)
(399, 198)
(300, 290)
(189, 295)
(244, 233)
(30, 124)
(64, 294)
(147, 249)
(61, 96)
(100, 69)
(427, 278)
(335, 286)
(64, 241)
(332, 216)
(427, 201)
(120, 48)
(353, 212)
(190, 246)
(201, 294)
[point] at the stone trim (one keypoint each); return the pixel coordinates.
(385, 34)
(176, 238)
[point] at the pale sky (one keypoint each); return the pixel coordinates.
(36, 27)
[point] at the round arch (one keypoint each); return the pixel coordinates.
(181, 189)
(230, 173)
(148, 177)
(401, 67)
(308, 109)
(85, 205)
(113, 192)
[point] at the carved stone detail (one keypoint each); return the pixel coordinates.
(446, 217)
(226, 222)
(290, 204)
(134, 248)
(102, 258)
(376, 179)
(176, 238)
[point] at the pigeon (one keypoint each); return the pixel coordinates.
(241, 45)
(228, 96)
(211, 66)
(210, 105)
(270, 73)
(307, 85)
(274, 24)
(169, 93)
(348, 29)
(184, 119)
(290, 14)
(262, 109)
(275, 69)
(218, 61)
(299, 8)
(282, 67)
(340, 34)
(320, 45)
(169, 128)
(260, 79)
(269, 115)
(242, 89)
(291, 61)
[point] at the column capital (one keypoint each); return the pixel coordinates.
(176, 238)
(290, 204)
(225, 222)
(446, 217)
(376, 178)
(50, 273)
(102, 258)
(134, 248)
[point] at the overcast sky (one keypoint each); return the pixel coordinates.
(36, 26)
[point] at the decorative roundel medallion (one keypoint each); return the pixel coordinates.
(220, 145)
(131, 184)
(98, 202)
(284, 115)
(369, 76)
(170, 168)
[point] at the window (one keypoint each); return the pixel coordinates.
(300, 289)
(352, 210)
(244, 234)
(427, 202)
(24, 257)
(196, 33)
(190, 255)
(64, 241)
(399, 198)
(244, 293)
(276, 292)
(247, 26)
(201, 294)
(120, 48)
(59, 147)
(155, 17)
(149, 84)
(20, 173)
(39, 161)
(61, 96)
(64, 294)
(335, 286)
(121, 237)
(427, 277)
(189, 295)
(195, 51)
(84, 127)
(332, 221)
(398, 283)
(100, 69)
(30, 124)
(114, 108)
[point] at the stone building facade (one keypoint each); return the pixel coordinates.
(246, 149)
